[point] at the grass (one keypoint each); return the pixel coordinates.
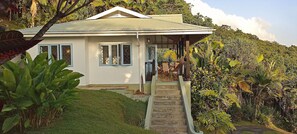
(100, 112)
(247, 123)
(266, 130)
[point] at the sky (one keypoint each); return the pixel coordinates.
(272, 20)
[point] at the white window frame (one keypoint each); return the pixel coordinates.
(59, 51)
(120, 54)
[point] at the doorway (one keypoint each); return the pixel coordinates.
(151, 64)
(168, 64)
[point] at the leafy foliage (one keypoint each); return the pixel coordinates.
(215, 121)
(35, 91)
(170, 55)
(211, 96)
(263, 73)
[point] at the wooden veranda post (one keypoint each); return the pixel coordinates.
(187, 58)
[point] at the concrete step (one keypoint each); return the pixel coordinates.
(166, 109)
(182, 129)
(165, 97)
(169, 115)
(172, 87)
(167, 92)
(167, 103)
(171, 100)
(166, 121)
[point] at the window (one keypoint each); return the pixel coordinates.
(126, 54)
(105, 57)
(58, 51)
(66, 53)
(119, 54)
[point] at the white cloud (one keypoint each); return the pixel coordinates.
(254, 25)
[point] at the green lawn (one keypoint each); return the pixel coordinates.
(252, 125)
(100, 112)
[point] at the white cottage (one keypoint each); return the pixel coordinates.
(113, 47)
(120, 47)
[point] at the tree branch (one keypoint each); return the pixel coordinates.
(72, 6)
(78, 8)
(59, 6)
(60, 14)
(64, 7)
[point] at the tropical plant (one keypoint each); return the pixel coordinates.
(215, 121)
(266, 84)
(35, 91)
(170, 55)
(211, 95)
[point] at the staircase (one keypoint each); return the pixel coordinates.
(168, 115)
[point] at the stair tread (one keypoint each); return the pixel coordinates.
(168, 97)
(168, 114)
(157, 100)
(169, 126)
(156, 120)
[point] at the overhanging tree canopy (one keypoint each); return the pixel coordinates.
(12, 43)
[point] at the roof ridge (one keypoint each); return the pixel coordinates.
(117, 8)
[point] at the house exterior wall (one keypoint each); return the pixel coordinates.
(85, 58)
(99, 74)
(78, 54)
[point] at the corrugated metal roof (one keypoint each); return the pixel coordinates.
(110, 25)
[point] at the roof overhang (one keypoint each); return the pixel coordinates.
(194, 36)
(122, 33)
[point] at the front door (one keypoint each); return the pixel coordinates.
(151, 62)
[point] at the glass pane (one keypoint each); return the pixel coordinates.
(43, 49)
(119, 50)
(151, 53)
(55, 52)
(114, 54)
(66, 54)
(126, 54)
(105, 55)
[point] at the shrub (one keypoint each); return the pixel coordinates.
(211, 92)
(236, 113)
(35, 91)
(215, 121)
(248, 111)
